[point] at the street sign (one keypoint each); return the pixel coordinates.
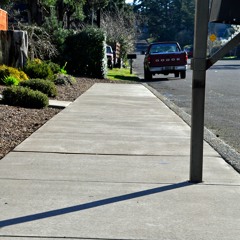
(213, 37)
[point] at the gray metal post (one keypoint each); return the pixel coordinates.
(131, 66)
(198, 89)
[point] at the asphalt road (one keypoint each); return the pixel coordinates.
(222, 103)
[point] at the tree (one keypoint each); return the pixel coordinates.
(4, 2)
(69, 11)
(92, 10)
(58, 18)
(167, 19)
(118, 21)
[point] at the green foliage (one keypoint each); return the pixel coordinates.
(64, 79)
(85, 53)
(54, 67)
(54, 26)
(6, 71)
(168, 20)
(62, 70)
(45, 86)
(40, 70)
(24, 97)
(98, 3)
(10, 80)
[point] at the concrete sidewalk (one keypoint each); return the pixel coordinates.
(114, 165)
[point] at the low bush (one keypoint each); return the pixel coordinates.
(38, 69)
(6, 71)
(54, 67)
(44, 86)
(24, 97)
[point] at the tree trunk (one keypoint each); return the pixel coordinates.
(60, 10)
(35, 12)
(13, 48)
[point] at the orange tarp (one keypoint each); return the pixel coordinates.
(3, 20)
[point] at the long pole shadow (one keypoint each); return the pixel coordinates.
(85, 206)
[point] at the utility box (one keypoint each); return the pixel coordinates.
(225, 11)
(3, 20)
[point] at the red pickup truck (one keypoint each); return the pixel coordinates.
(165, 58)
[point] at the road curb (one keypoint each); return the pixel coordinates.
(230, 155)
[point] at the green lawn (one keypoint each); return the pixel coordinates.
(121, 74)
(230, 58)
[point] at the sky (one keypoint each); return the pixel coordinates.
(129, 1)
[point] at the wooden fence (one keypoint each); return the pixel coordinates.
(3, 20)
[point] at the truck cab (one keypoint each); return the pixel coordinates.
(165, 58)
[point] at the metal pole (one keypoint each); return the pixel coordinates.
(131, 66)
(198, 89)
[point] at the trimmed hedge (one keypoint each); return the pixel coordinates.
(24, 97)
(85, 53)
(44, 86)
(54, 67)
(38, 69)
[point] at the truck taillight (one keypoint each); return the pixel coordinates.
(149, 59)
(186, 57)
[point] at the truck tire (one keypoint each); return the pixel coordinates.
(110, 65)
(176, 74)
(147, 75)
(183, 74)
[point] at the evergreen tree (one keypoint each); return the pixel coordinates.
(167, 19)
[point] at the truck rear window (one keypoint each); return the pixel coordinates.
(167, 48)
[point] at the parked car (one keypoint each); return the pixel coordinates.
(189, 50)
(110, 56)
(165, 58)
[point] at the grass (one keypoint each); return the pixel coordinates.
(230, 58)
(122, 74)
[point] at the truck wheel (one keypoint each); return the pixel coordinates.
(176, 74)
(183, 74)
(147, 75)
(109, 63)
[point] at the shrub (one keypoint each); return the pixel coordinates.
(36, 69)
(64, 79)
(10, 80)
(24, 97)
(44, 86)
(54, 67)
(6, 71)
(85, 53)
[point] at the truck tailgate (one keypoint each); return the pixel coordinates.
(168, 59)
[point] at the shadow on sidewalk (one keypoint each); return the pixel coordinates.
(98, 203)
